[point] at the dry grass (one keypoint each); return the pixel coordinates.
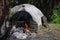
(53, 28)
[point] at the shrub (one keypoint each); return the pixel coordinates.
(56, 15)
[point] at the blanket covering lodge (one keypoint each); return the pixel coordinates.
(31, 9)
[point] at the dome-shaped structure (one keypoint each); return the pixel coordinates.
(25, 18)
(31, 9)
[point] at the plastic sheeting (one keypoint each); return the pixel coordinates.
(31, 9)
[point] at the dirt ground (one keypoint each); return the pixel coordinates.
(50, 33)
(53, 31)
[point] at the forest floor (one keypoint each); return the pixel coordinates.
(50, 33)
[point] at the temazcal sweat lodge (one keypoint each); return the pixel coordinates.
(27, 16)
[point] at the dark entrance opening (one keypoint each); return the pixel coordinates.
(23, 19)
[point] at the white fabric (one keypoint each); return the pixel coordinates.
(34, 12)
(20, 35)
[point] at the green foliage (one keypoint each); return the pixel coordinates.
(56, 15)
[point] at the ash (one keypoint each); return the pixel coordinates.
(19, 34)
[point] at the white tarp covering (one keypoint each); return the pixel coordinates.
(34, 12)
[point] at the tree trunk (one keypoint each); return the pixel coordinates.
(4, 8)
